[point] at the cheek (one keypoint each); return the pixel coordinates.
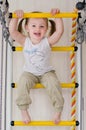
(45, 31)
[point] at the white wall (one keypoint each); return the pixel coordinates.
(45, 112)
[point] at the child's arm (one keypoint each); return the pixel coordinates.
(15, 34)
(54, 38)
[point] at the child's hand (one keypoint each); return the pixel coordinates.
(55, 11)
(19, 13)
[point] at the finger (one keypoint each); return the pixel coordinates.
(55, 11)
(58, 11)
(19, 13)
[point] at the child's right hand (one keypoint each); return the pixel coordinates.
(19, 13)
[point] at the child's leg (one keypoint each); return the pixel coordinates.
(52, 85)
(57, 117)
(25, 116)
(26, 82)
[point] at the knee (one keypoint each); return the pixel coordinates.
(51, 77)
(25, 82)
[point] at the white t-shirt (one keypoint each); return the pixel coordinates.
(37, 57)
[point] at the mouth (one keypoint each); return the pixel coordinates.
(37, 34)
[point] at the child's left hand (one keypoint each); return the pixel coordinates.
(55, 11)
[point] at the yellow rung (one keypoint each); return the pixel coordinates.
(66, 48)
(44, 123)
(63, 85)
(68, 85)
(47, 15)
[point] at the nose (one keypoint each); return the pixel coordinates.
(37, 28)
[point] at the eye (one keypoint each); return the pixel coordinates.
(41, 26)
(33, 25)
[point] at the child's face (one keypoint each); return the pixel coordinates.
(37, 28)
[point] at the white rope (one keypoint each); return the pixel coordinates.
(4, 19)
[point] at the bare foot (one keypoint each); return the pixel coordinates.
(57, 118)
(25, 116)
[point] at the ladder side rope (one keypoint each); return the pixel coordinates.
(3, 11)
(4, 20)
(1, 80)
(73, 73)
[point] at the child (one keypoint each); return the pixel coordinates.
(37, 68)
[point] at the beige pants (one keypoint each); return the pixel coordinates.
(52, 86)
